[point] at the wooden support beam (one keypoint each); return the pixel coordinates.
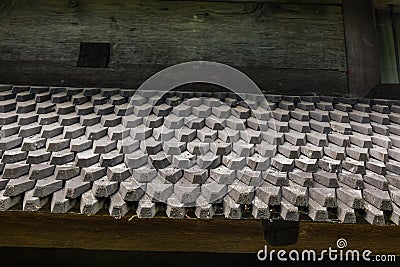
(362, 46)
(103, 232)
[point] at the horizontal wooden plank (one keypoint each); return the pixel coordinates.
(271, 80)
(317, 2)
(385, 4)
(99, 232)
(154, 32)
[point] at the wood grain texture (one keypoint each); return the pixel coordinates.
(271, 80)
(38, 229)
(362, 47)
(151, 33)
(385, 4)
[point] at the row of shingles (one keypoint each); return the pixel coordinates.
(81, 109)
(296, 161)
(348, 197)
(143, 122)
(101, 151)
(244, 163)
(248, 160)
(150, 158)
(325, 180)
(258, 146)
(210, 188)
(9, 140)
(190, 188)
(339, 123)
(356, 157)
(53, 168)
(366, 156)
(61, 165)
(26, 122)
(55, 144)
(352, 151)
(141, 187)
(242, 191)
(148, 120)
(343, 142)
(101, 103)
(256, 153)
(142, 161)
(21, 97)
(392, 160)
(101, 155)
(159, 187)
(54, 123)
(309, 124)
(353, 161)
(127, 155)
(381, 183)
(332, 115)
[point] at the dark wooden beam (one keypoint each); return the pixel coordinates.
(270, 80)
(102, 232)
(283, 47)
(362, 46)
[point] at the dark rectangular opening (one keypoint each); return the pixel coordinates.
(94, 55)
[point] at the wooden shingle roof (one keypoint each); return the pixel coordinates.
(204, 155)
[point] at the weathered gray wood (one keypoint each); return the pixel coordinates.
(260, 210)
(204, 210)
(41, 41)
(289, 212)
(295, 194)
(373, 215)
(352, 197)
(32, 203)
(316, 211)
(345, 213)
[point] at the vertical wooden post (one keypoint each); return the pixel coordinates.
(395, 39)
(362, 47)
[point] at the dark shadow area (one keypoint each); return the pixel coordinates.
(94, 55)
(80, 257)
(200, 87)
(385, 91)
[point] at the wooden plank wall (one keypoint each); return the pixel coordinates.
(285, 48)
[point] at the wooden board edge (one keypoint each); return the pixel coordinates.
(219, 235)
